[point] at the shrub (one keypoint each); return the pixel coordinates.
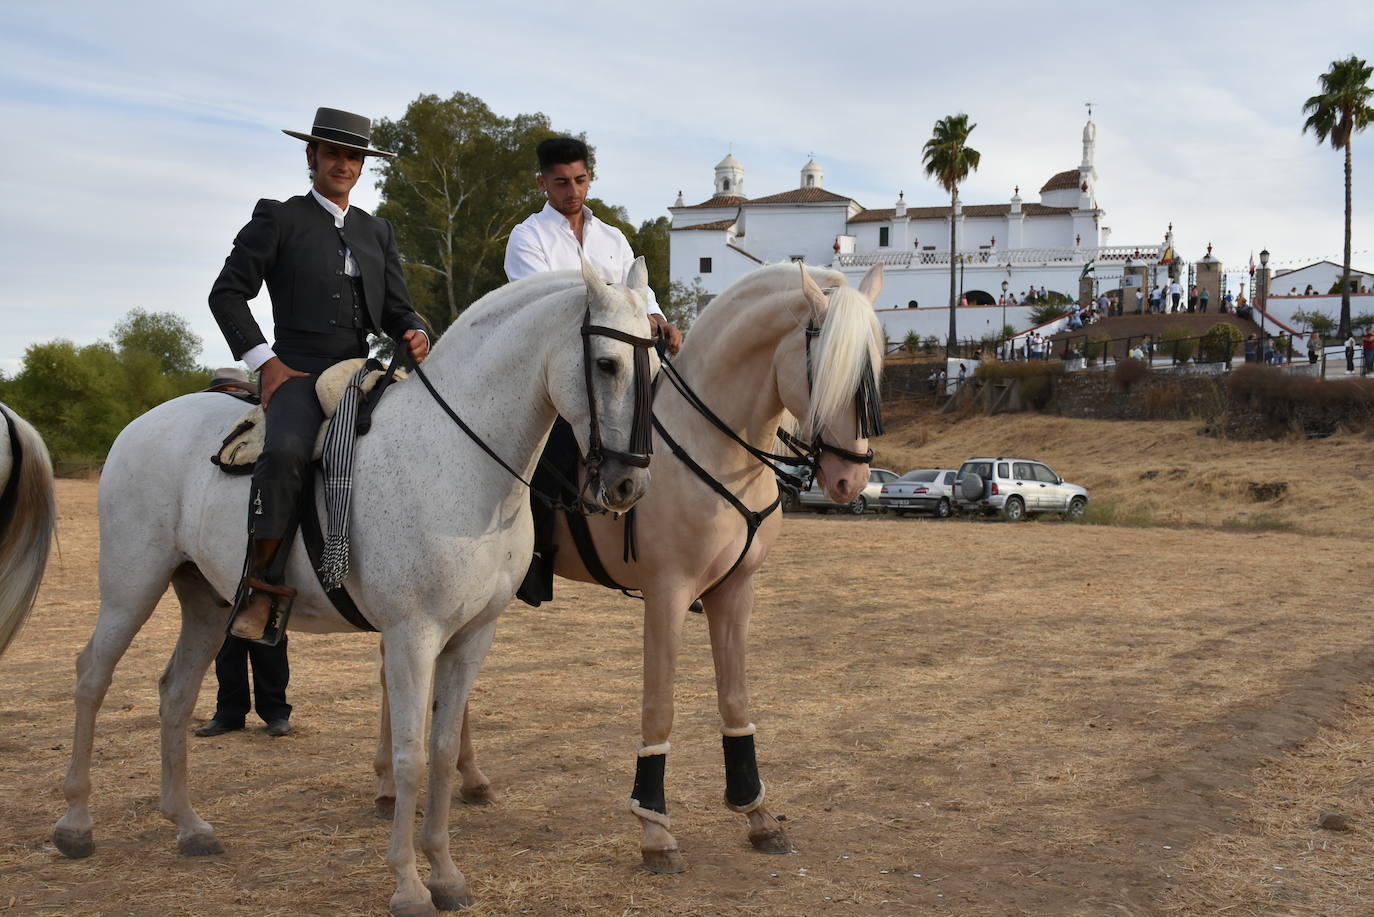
(1219, 344)
(1178, 343)
(1162, 402)
(1362, 320)
(912, 342)
(1095, 349)
(1129, 371)
(930, 344)
(1046, 312)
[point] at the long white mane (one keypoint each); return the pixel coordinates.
(851, 339)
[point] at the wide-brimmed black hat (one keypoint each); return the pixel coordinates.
(342, 127)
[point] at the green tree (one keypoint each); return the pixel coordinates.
(164, 335)
(462, 178)
(651, 241)
(949, 159)
(1335, 115)
(683, 302)
(1046, 312)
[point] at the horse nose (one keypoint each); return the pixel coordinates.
(625, 490)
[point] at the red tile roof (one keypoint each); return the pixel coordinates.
(942, 213)
(718, 224)
(802, 196)
(720, 200)
(1061, 182)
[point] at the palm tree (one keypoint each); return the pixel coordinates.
(1336, 115)
(949, 160)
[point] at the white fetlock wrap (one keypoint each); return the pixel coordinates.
(648, 751)
(658, 818)
(749, 807)
(735, 732)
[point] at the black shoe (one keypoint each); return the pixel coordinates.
(217, 728)
(277, 728)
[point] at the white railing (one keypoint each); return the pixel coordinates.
(1004, 257)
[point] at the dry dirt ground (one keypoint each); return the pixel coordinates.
(955, 718)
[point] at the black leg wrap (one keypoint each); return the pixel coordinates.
(742, 784)
(648, 789)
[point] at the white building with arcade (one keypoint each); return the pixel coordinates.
(1046, 244)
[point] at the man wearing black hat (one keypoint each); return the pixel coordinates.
(334, 276)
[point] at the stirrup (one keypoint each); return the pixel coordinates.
(278, 612)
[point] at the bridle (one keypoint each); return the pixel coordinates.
(867, 408)
(641, 442)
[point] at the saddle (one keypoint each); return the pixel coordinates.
(241, 448)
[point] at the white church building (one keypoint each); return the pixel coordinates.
(1045, 244)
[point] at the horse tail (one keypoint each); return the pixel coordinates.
(28, 517)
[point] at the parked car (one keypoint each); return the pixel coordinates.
(1015, 488)
(926, 490)
(812, 496)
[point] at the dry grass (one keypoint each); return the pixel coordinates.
(955, 719)
(1162, 470)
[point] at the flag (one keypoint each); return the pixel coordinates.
(1168, 256)
(1087, 269)
(1252, 262)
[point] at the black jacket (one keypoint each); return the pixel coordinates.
(294, 246)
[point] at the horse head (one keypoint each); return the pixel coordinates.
(603, 387)
(831, 386)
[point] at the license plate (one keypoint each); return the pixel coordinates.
(901, 502)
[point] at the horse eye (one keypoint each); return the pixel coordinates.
(607, 365)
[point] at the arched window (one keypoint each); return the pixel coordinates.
(810, 181)
(725, 185)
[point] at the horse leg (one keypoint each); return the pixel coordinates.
(124, 608)
(727, 613)
(203, 614)
(476, 788)
(409, 680)
(663, 616)
(453, 676)
(384, 802)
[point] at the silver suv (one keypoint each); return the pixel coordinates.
(1015, 488)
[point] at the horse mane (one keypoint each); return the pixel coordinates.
(851, 339)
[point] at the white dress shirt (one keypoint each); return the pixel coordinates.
(545, 242)
(260, 354)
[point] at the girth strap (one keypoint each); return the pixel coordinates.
(314, 549)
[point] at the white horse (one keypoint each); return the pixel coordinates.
(749, 358)
(447, 539)
(28, 516)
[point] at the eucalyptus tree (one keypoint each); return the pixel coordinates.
(949, 160)
(1335, 115)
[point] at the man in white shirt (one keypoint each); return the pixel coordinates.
(559, 236)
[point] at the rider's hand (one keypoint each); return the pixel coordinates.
(418, 344)
(668, 331)
(270, 377)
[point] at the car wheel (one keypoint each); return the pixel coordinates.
(942, 509)
(859, 506)
(1014, 510)
(1076, 508)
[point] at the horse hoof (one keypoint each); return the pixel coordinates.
(200, 845)
(384, 807)
(479, 795)
(664, 862)
(75, 845)
(770, 840)
(417, 909)
(449, 897)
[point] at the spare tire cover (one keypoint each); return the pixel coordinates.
(970, 487)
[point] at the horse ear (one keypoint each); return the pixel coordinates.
(638, 279)
(596, 287)
(815, 296)
(872, 284)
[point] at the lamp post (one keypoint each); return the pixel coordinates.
(1264, 295)
(1004, 320)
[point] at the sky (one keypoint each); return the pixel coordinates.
(140, 134)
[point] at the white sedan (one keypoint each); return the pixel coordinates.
(925, 490)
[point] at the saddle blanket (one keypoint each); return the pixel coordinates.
(244, 443)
